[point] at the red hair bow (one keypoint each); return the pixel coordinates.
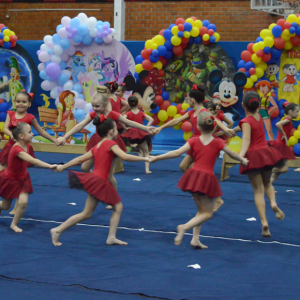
(123, 83)
(153, 80)
(206, 100)
(213, 118)
(194, 87)
(111, 84)
(31, 95)
(285, 104)
(253, 99)
(102, 118)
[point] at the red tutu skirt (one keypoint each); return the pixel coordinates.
(95, 139)
(135, 134)
(94, 185)
(5, 152)
(285, 151)
(194, 181)
(261, 159)
(12, 188)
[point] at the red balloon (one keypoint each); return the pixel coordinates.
(194, 18)
(177, 50)
(165, 105)
(180, 27)
(266, 57)
(211, 32)
(180, 21)
(161, 32)
(159, 100)
(1, 42)
(279, 43)
(149, 51)
(246, 56)
(1, 101)
(287, 25)
(1, 26)
(295, 40)
(242, 70)
(178, 106)
(182, 112)
(162, 60)
(13, 38)
(281, 22)
(169, 119)
(186, 126)
(273, 113)
(184, 46)
(250, 48)
(147, 64)
(260, 53)
(13, 44)
(206, 42)
(155, 120)
(203, 30)
(252, 71)
(161, 73)
(145, 54)
(184, 40)
(160, 92)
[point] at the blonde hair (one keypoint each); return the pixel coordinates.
(101, 92)
(206, 121)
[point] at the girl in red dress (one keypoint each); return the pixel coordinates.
(200, 180)
(120, 92)
(262, 158)
(15, 181)
(22, 102)
(97, 184)
(137, 136)
(285, 130)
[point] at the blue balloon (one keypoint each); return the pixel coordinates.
(47, 63)
(267, 50)
(87, 39)
(298, 30)
(136, 75)
(99, 28)
(167, 34)
(155, 110)
(1, 36)
(205, 23)
(259, 39)
(212, 39)
(275, 120)
(98, 40)
(165, 95)
(77, 87)
(3, 29)
(92, 130)
(187, 26)
(99, 23)
(155, 52)
(247, 74)
(77, 38)
(191, 41)
(6, 45)
(79, 114)
(180, 34)
(82, 30)
(50, 51)
(107, 24)
(56, 39)
(241, 64)
(153, 58)
(198, 39)
(249, 65)
(139, 59)
(281, 102)
(296, 149)
(174, 104)
(162, 50)
(43, 75)
(65, 43)
(292, 30)
(212, 26)
(75, 23)
(294, 24)
(2, 117)
(169, 55)
(171, 26)
(62, 79)
(81, 96)
(168, 45)
(59, 27)
(62, 65)
(276, 31)
(281, 113)
(4, 107)
(275, 53)
(189, 109)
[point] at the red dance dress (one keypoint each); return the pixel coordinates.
(260, 154)
(220, 116)
(97, 183)
(13, 122)
(201, 178)
(116, 106)
(280, 143)
(15, 179)
(196, 131)
(95, 139)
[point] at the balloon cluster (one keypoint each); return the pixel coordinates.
(158, 50)
(4, 107)
(268, 48)
(8, 38)
(81, 114)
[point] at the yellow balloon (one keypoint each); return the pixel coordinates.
(185, 106)
(259, 72)
(179, 115)
(7, 32)
(255, 47)
(175, 40)
(288, 45)
(265, 33)
(271, 26)
(195, 32)
(297, 134)
(162, 115)
(177, 127)
(139, 68)
(292, 35)
(6, 39)
(198, 24)
(217, 36)
(298, 20)
(298, 127)
(158, 65)
(261, 45)
(6, 137)
(13, 33)
(262, 65)
(205, 37)
(249, 84)
(148, 44)
(285, 37)
(269, 42)
(255, 58)
(172, 111)
(286, 32)
(190, 20)
(154, 46)
(187, 135)
(159, 40)
(292, 18)
(174, 30)
(253, 78)
(186, 34)
(161, 123)
(288, 144)
(293, 141)
(149, 113)
(1, 126)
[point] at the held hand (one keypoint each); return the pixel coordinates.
(231, 133)
(59, 168)
(60, 141)
(157, 130)
(152, 159)
(147, 159)
(151, 129)
(53, 168)
(245, 162)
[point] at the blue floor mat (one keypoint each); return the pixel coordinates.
(239, 263)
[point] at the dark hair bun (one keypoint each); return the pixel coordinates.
(201, 88)
(96, 121)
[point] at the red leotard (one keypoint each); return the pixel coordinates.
(95, 139)
(13, 122)
(96, 183)
(116, 106)
(259, 154)
(200, 178)
(15, 179)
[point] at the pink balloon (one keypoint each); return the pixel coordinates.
(50, 45)
(41, 67)
(44, 57)
(48, 85)
(62, 32)
(80, 103)
(107, 39)
(65, 21)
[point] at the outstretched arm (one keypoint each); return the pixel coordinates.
(173, 122)
(41, 131)
(76, 161)
(235, 156)
(36, 162)
(280, 128)
(127, 157)
(133, 124)
(172, 154)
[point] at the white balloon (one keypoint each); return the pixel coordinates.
(80, 103)
(56, 101)
(91, 23)
(54, 92)
(64, 57)
(47, 38)
(58, 50)
(41, 67)
(62, 32)
(65, 21)
(82, 18)
(87, 108)
(44, 47)
(71, 50)
(68, 86)
(113, 32)
(68, 73)
(44, 56)
(48, 85)
(56, 59)
(107, 39)
(76, 94)
(93, 32)
(50, 45)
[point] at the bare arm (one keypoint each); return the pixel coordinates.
(41, 131)
(76, 161)
(172, 154)
(228, 122)
(132, 124)
(36, 162)
(237, 129)
(173, 122)
(149, 119)
(127, 157)
(5, 128)
(280, 128)
(235, 156)
(246, 139)
(273, 102)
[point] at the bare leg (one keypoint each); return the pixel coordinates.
(258, 189)
(114, 222)
(14, 209)
(268, 125)
(86, 167)
(186, 162)
(20, 211)
(145, 150)
(112, 179)
(5, 204)
(205, 207)
(218, 203)
(90, 205)
(270, 192)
